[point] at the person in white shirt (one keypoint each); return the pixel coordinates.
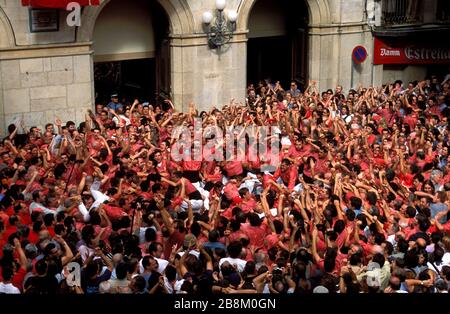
(38, 203)
(441, 286)
(6, 285)
(234, 250)
(155, 250)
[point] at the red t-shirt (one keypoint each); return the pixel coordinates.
(256, 235)
(176, 238)
(189, 187)
(192, 165)
(233, 168)
(289, 177)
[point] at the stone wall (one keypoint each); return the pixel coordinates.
(408, 73)
(38, 90)
(207, 78)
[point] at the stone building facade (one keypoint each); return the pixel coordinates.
(51, 74)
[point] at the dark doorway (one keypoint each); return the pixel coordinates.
(147, 78)
(282, 57)
(438, 70)
(269, 57)
(129, 78)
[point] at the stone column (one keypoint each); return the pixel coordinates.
(330, 55)
(205, 77)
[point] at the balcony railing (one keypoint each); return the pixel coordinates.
(443, 11)
(414, 12)
(398, 12)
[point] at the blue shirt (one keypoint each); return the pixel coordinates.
(214, 245)
(113, 105)
(435, 208)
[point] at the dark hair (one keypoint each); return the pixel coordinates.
(278, 226)
(330, 260)
(371, 198)
(153, 247)
(339, 226)
(438, 253)
(49, 219)
(410, 212)
(389, 247)
(92, 269)
(213, 235)
(254, 219)
(121, 270)
(170, 272)
(350, 214)
(234, 249)
(7, 273)
(395, 283)
(150, 234)
(379, 258)
(355, 202)
(48, 248)
(59, 229)
(95, 218)
(87, 234)
(41, 267)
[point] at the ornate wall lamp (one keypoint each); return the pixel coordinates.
(220, 31)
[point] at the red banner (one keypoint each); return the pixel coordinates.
(409, 54)
(57, 4)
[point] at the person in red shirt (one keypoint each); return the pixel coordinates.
(18, 263)
(288, 174)
(256, 230)
(211, 179)
(248, 203)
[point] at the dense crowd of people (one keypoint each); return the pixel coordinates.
(359, 202)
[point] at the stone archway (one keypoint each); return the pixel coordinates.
(319, 16)
(319, 13)
(7, 39)
(181, 23)
(180, 18)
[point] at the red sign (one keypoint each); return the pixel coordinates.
(57, 4)
(359, 54)
(409, 54)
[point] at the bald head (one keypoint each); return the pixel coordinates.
(44, 235)
(117, 258)
(421, 242)
(395, 282)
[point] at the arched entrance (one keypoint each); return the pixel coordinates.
(277, 41)
(318, 16)
(6, 32)
(131, 55)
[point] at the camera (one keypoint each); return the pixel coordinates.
(137, 204)
(277, 271)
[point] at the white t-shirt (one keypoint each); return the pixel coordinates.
(123, 117)
(285, 141)
(250, 183)
(436, 268)
(240, 263)
(8, 288)
(85, 252)
(162, 264)
(446, 259)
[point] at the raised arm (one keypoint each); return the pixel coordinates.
(22, 258)
(314, 244)
(68, 254)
